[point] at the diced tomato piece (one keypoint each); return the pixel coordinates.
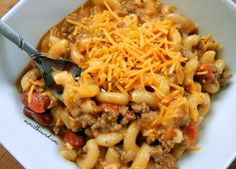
(74, 140)
(111, 107)
(38, 103)
(106, 107)
(169, 134)
(208, 77)
(192, 132)
(99, 110)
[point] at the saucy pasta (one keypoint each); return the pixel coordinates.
(144, 90)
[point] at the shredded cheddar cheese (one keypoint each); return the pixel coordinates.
(194, 148)
(127, 52)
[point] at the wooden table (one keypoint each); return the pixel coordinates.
(6, 160)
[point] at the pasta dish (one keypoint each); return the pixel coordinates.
(145, 87)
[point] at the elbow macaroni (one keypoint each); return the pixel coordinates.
(58, 48)
(142, 158)
(88, 106)
(149, 98)
(190, 69)
(130, 146)
(108, 140)
(190, 41)
(199, 105)
(112, 157)
(113, 98)
(30, 76)
(176, 38)
(91, 157)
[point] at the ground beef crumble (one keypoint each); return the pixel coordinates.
(113, 119)
(224, 78)
(140, 108)
(108, 120)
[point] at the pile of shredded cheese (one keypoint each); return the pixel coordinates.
(120, 52)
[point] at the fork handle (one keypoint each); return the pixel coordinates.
(11, 35)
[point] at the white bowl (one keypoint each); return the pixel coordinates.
(34, 147)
